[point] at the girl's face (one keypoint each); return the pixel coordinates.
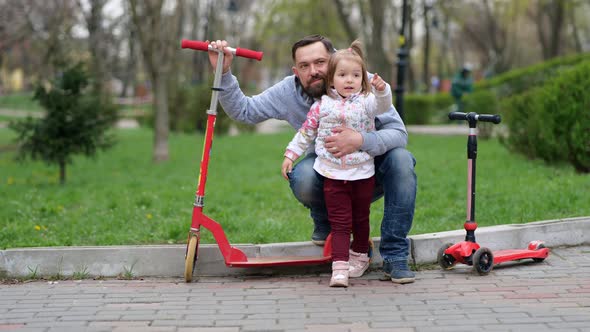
(348, 77)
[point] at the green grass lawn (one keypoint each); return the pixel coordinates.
(121, 197)
(24, 102)
(20, 102)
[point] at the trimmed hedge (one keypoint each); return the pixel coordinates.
(422, 109)
(519, 80)
(552, 122)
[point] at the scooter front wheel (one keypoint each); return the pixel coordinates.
(191, 257)
(446, 262)
(483, 261)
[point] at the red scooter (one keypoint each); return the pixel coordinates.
(469, 252)
(232, 256)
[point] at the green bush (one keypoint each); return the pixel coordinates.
(552, 122)
(188, 111)
(76, 122)
(522, 79)
(427, 108)
(568, 110)
(442, 101)
(525, 122)
(417, 109)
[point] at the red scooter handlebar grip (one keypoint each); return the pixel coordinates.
(195, 45)
(246, 53)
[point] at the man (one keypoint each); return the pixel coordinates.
(461, 84)
(290, 100)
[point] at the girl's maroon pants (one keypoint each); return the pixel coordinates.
(348, 204)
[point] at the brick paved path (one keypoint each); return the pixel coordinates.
(553, 295)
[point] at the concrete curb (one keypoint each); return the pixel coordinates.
(168, 260)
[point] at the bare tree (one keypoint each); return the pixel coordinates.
(128, 70)
(488, 30)
(199, 32)
(344, 18)
(51, 25)
(13, 28)
(159, 29)
(426, 13)
(411, 82)
(96, 44)
(372, 27)
(571, 14)
(549, 16)
(443, 22)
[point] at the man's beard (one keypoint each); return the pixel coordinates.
(316, 90)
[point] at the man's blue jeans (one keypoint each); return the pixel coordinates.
(395, 180)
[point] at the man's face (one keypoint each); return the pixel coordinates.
(311, 64)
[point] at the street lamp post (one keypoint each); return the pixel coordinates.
(402, 53)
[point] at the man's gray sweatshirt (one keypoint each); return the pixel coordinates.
(286, 100)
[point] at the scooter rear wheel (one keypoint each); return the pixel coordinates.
(483, 261)
(539, 246)
(191, 258)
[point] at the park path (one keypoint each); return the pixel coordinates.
(553, 295)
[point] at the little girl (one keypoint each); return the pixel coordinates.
(351, 101)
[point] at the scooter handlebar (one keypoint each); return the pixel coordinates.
(472, 116)
(204, 46)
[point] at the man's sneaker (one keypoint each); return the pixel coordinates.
(320, 233)
(359, 263)
(398, 272)
(339, 274)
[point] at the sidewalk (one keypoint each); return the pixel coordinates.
(552, 295)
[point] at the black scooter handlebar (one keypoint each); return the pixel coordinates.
(474, 117)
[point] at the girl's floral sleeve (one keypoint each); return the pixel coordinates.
(379, 102)
(306, 134)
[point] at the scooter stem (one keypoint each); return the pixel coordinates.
(470, 224)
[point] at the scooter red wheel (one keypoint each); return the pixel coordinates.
(191, 258)
(446, 262)
(483, 261)
(538, 246)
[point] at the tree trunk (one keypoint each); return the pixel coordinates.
(576, 35)
(96, 35)
(62, 172)
(130, 68)
(549, 31)
(426, 62)
(557, 13)
(161, 125)
(344, 20)
(375, 53)
(159, 35)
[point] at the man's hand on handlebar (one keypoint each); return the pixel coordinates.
(227, 59)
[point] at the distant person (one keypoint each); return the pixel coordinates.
(462, 83)
(351, 101)
(434, 84)
(290, 100)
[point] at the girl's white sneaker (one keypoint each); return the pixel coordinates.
(339, 274)
(359, 263)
